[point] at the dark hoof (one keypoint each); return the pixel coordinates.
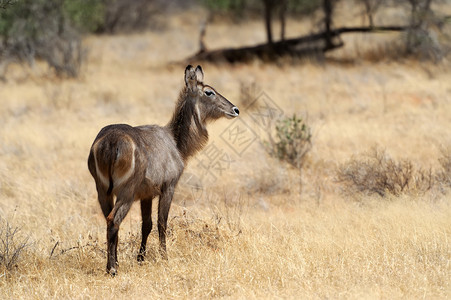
(140, 257)
(112, 272)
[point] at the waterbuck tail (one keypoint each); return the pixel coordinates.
(111, 185)
(110, 172)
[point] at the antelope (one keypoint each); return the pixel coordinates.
(143, 162)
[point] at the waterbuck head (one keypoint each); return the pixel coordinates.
(198, 104)
(210, 105)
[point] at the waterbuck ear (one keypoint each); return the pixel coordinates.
(199, 74)
(190, 77)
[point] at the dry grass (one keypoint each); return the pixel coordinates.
(247, 232)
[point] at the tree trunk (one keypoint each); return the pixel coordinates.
(268, 14)
(328, 9)
(369, 11)
(282, 14)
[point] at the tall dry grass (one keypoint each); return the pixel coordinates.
(249, 232)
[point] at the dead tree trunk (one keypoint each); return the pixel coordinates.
(282, 16)
(370, 8)
(328, 10)
(269, 5)
(369, 12)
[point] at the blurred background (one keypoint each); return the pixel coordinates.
(333, 182)
(54, 30)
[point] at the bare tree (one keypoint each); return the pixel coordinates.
(328, 11)
(268, 8)
(370, 8)
(282, 15)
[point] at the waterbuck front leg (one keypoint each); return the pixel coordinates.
(114, 220)
(167, 192)
(146, 211)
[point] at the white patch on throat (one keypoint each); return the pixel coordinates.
(198, 113)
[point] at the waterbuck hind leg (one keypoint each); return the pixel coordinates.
(164, 205)
(114, 219)
(106, 201)
(146, 211)
(112, 239)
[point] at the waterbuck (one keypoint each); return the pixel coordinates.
(140, 163)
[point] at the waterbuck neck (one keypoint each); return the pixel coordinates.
(188, 129)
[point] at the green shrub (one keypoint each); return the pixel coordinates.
(303, 7)
(85, 15)
(43, 29)
(292, 142)
(294, 7)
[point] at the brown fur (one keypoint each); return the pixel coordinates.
(140, 163)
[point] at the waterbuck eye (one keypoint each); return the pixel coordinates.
(209, 93)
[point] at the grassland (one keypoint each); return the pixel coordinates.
(249, 231)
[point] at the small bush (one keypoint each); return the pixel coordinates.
(376, 173)
(292, 142)
(85, 15)
(12, 246)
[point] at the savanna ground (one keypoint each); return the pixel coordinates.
(249, 231)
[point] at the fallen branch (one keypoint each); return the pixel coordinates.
(310, 44)
(63, 251)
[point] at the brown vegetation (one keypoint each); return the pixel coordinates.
(12, 245)
(375, 172)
